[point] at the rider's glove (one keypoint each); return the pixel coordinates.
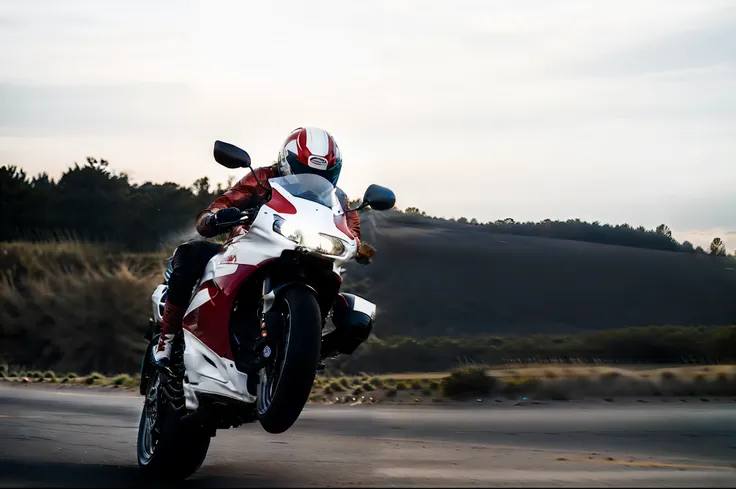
(365, 253)
(229, 214)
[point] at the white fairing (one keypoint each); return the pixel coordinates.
(158, 299)
(366, 307)
(259, 244)
(222, 378)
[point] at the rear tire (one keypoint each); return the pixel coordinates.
(297, 357)
(168, 449)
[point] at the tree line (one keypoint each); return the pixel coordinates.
(592, 232)
(91, 202)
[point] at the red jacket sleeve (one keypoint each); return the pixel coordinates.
(354, 224)
(352, 218)
(239, 195)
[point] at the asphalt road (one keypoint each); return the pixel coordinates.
(69, 438)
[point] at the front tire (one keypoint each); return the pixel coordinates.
(286, 383)
(166, 448)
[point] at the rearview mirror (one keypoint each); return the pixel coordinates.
(379, 198)
(230, 156)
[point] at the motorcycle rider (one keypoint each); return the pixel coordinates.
(305, 150)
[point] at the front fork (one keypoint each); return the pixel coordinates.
(271, 329)
(271, 322)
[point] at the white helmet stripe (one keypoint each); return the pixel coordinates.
(318, 142)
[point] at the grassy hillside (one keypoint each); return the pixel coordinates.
(69, 306)
(439, 278)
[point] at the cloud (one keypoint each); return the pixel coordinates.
(711, 44)
(144, 108)
(614, 110)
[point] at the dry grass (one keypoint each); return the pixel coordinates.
(93, 379)
(606, 382)
(473, 382)
(558, 383)
(74, 306)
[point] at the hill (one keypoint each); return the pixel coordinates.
(433, 277)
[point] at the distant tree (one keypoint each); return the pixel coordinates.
(414, 210)
(664, 230)
(687, 246)
(202, 186)
(717, 247)
(474, 221)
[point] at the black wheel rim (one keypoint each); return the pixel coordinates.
(149, 436)
(270, 375)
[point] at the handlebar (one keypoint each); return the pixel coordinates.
(246, 216)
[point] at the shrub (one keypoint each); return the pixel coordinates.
(376, 382)
(123, 379)
(467, 382)
(93, 378)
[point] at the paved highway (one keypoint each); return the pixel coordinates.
(74, 438)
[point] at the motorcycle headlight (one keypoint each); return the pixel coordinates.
(287, 230)
(320, 242)
(329, 245)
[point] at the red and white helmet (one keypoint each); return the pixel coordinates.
(310, 150)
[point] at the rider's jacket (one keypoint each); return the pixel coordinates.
(247, 192)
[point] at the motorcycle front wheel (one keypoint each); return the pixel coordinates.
(286, 382)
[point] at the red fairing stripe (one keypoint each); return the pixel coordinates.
(211, 321)
(279, 203)
(206, 322)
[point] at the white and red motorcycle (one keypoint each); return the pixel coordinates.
(252, 336)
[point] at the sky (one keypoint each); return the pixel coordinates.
(605, 110)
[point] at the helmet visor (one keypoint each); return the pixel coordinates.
(297, 167)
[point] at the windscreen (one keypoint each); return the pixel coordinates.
(308, 186)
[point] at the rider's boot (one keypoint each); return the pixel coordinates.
(170, 325)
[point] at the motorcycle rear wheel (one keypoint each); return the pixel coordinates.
(286, 383)
(166, 448)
